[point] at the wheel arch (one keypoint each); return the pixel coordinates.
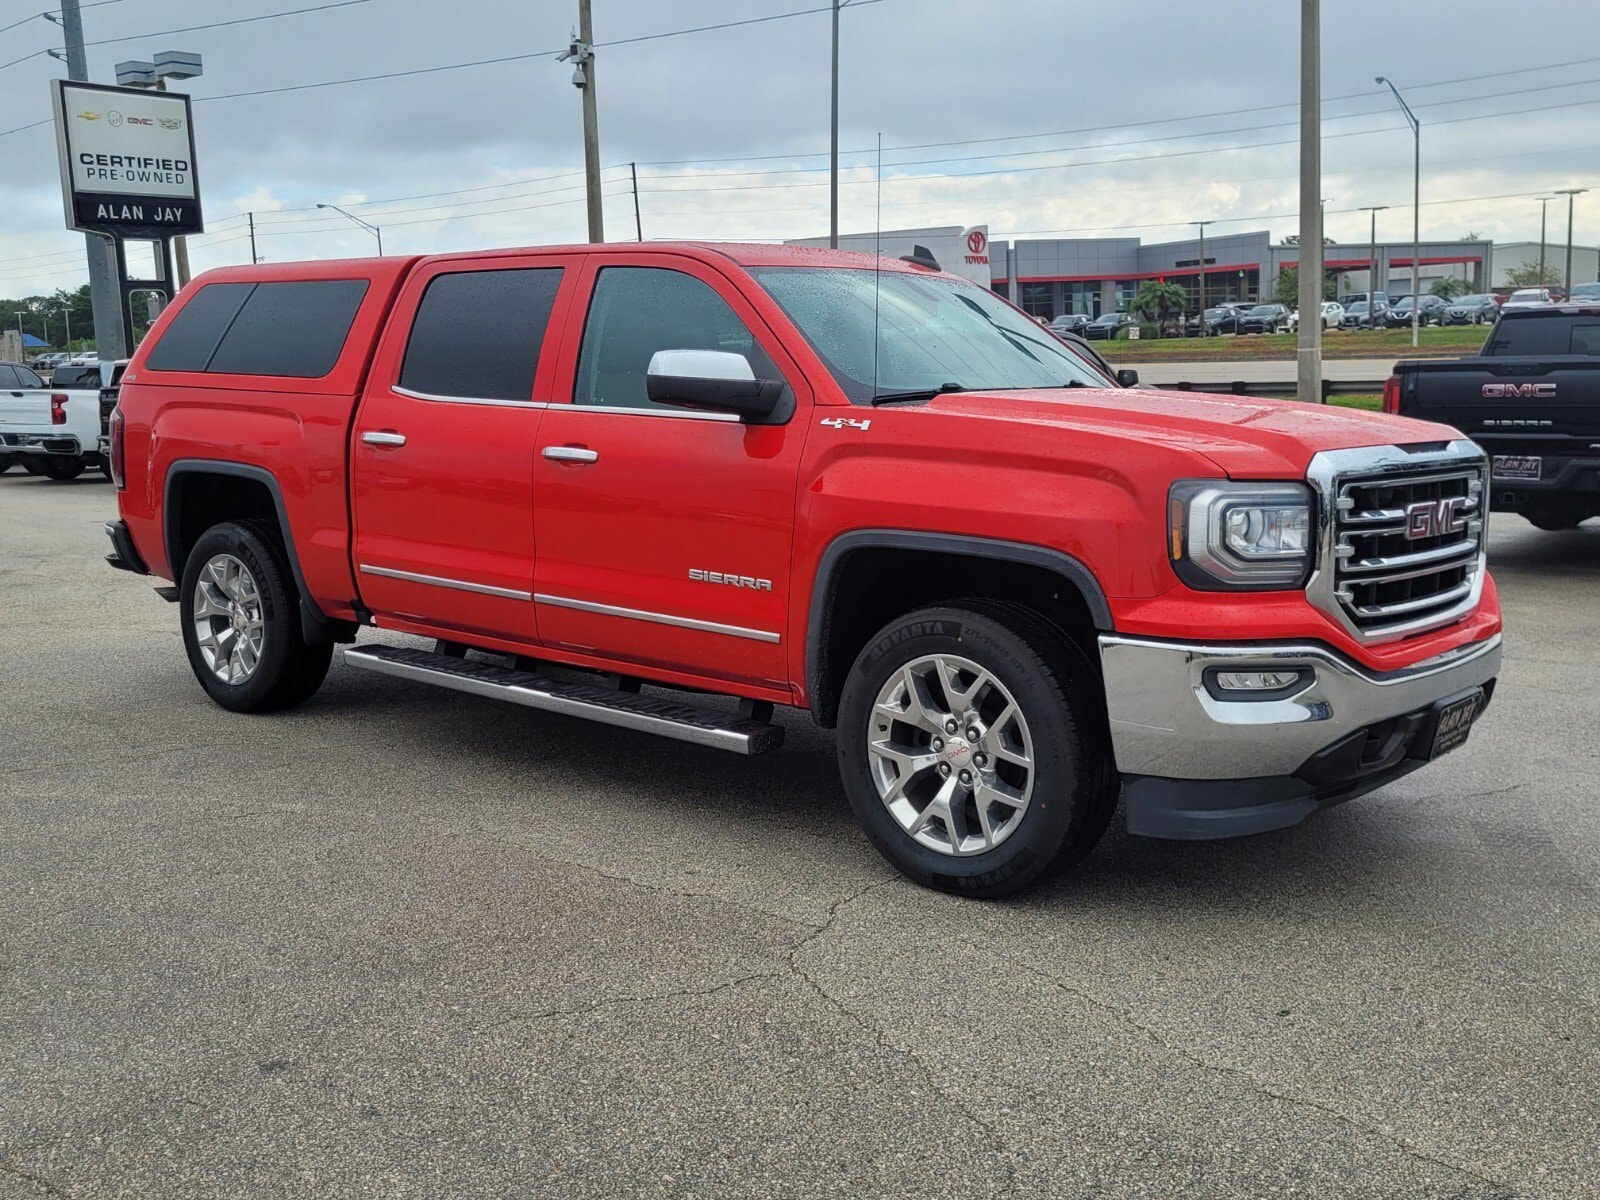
(244, 492)
(844, 609)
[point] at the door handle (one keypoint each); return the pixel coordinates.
(571, 454)
(383, 437)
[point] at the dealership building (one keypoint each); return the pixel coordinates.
(1051, 276)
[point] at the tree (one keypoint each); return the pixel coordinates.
(1528, 276)
(1157, 299)
(1472, 235)
(1293, 239)
(1287, 290)
(1450, 288)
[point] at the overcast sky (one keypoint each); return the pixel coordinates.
(1124, 118)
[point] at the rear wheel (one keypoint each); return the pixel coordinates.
(61, 468)
(973, 748)
(7, 461)
(241, 621)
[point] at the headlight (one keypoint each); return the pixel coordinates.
(1240, 536)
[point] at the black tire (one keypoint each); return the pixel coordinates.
(288, 671)
(7, 461)
(1061, 698)
(1556, 518)
(30, 463)
(61, 469)
(105, 467)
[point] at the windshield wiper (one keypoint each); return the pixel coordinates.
(916, 394)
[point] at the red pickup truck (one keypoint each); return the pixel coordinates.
(808, 478)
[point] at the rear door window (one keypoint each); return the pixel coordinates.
(8, 377)
(477, 334)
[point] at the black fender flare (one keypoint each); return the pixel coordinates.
(1073, 571)
(315, 626)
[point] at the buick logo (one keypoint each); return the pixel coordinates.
(1435, 518)
(114, 119)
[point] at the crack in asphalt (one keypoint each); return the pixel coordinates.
(1254, 1084)
(16, 1172)
(998, 1144)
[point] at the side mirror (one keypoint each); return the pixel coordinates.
(711, 379)
(1128, 377)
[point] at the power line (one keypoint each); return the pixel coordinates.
(38, 16)
(293, 12)
(489, 62)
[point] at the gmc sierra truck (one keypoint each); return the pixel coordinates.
(1531, 399)
(670, 487)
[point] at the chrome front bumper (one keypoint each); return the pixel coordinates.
(1165, 722)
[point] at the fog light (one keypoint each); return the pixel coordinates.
(1256, 684)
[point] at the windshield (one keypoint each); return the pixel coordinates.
(1527, 294)
(1217, 312)
(1262, 310)
(934, 333)
(1356, 306)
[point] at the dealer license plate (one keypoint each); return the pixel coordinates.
(1517, 466)
(1454, 723)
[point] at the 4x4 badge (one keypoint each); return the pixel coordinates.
(846, 423)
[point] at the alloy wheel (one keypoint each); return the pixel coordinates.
(950, 754)
(229, 619)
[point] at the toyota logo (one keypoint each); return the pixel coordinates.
(976, 241)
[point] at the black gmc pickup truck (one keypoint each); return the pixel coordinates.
(1531, 399)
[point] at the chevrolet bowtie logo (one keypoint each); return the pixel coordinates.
(88, 116)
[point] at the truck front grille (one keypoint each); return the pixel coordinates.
(1408, 547)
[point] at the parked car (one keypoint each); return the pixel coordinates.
(1349, 298)
(50, 429)
(1140, 596)
(1534, 297)
(1264, 318)
(1331, 311)
(1586, 293)
(1431, 312)
(1357, 315)
(1476, 309)
(1214, 322)
(1070, 323)
(1109, 325)
(1531, 399)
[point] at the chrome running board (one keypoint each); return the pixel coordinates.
(628, 710)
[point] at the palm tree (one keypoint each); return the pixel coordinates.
(1157, 299)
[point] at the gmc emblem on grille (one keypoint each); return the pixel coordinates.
(1435, 518)
(1519, 391)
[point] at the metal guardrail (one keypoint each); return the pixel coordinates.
(1274, 388)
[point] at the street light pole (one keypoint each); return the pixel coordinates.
(1544, 202)
(372, 229)
(1416, 203)
(1310, 325)
(1570, 194)
(833, 142)
(1372, 265)
(1202, 225)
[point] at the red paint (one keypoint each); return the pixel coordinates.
(471, 497)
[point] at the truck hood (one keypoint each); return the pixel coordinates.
(1246, 437)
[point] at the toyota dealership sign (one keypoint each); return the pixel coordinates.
(127, 160)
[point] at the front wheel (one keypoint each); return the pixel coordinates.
(974, 749)
(1556, 517)
(61, 469)
(241, 621)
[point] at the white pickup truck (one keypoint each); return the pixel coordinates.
(51, 430)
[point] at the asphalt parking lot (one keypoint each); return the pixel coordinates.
(402, 942)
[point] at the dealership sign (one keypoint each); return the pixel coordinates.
(127, 160)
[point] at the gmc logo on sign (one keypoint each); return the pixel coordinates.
(1435, 518)
(1519, 391)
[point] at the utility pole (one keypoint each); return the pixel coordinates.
(581, 52)
(253, 258)
(1372, 263)
(833, 142)
(1416, 203)
(638, 225)
(1310, 331)
(1570, 194)
(1202, 225)
(1544, 202)
(105, 290)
